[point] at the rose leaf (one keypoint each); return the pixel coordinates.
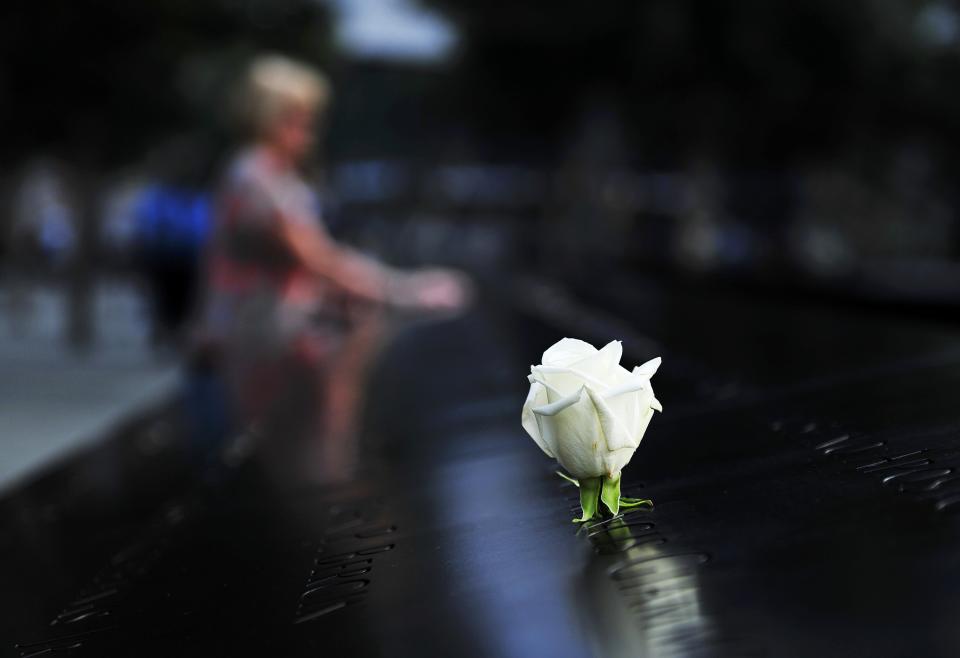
(634, 502)
(610, 494)
(589, 494)
(568, 478)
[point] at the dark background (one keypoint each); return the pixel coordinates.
(798, 140)
(760, 192)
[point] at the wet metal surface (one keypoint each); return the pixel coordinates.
(806, 475)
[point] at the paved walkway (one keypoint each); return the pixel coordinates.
(54, 402)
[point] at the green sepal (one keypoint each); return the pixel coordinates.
(589, 495)
(568, 478)
(629, 503)
(610, 494)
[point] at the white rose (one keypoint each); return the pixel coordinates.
(586, 410)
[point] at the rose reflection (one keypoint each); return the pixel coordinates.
(640, 596)
(514, 561)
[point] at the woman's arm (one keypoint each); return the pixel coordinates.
(344, 268)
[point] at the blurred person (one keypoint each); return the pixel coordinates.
(282, 295)
(45, 218)
(172, 223)
(42, 240)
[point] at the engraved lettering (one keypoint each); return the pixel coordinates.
(853, 449)
(843, 438)
(917, 475)
(888, 462)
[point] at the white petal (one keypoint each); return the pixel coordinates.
(566, 352)
(603, 363)
(615, 461)
(644, 423)
(648, 369)
(566, 380)
(616, 434)
(627, 409)
(553, 395)
(554, 407)
(620, 375)
(574, 429)
(535, 398)
(612, 351)
(633, 383)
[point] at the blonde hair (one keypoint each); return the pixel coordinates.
(275, 85)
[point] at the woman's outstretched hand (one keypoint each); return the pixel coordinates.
(433, 289)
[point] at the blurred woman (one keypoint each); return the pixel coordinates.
(279, 284)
